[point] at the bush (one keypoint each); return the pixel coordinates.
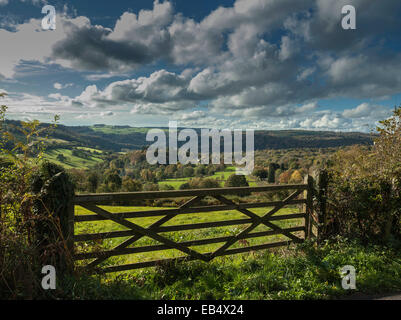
(31, 223)
(236, 180)
(365, 187)
(201, 183)
(260, 173)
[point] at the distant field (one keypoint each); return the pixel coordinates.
(118, 130)
(222, 176)
(72, 161)
(90, 149)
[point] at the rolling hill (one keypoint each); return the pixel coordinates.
(121, 138)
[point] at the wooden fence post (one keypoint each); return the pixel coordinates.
(70, 228)
(308, 195)
(55, 231)
(322, 204)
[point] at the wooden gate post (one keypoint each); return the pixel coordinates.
(70, 227)
(54, 203)
(322, 204)
(309, 206)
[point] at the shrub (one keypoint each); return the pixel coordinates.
(236, 180)
(31, 228)
(365, 187)
(260, 173)
(200, 183)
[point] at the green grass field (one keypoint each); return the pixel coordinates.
(72, 161)
(222, 176)
(302, 271)
(90, 150)
(108, 226)
(118, 130)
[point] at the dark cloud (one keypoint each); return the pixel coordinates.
(256, 59)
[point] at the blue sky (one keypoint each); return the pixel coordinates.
(261, 64)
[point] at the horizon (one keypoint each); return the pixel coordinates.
(244, 64)
(166, 127)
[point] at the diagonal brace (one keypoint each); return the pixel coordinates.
(136, 237)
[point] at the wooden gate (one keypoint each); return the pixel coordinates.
(300, 194)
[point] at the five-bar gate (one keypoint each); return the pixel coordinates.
(300, 194)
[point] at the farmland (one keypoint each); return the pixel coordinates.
(71, 160)
(220, 176)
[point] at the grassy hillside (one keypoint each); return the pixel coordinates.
(71, 161)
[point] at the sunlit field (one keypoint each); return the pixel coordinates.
(179, 236)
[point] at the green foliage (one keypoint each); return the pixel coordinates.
(131, 185)
(272, 168)
(260, 173)
(303, 272)
(365, 187)
(200, 183)
(236, 180)
(27, 204)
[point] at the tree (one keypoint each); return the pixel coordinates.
(113, 180)
(147, 175)
(150, 187)
(200, 170)
(185, 186)
(209, 183)
(188, 172)
(365, 187)
(285, 177)
(387, 148)
(296, 177)
(93, 181)
(62, 158)
(272, 169)
(131, 185)
(236, 180)
(260, 173)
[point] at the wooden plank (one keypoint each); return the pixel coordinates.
(124, 196)
(203, 225)
(124, 251)
(103, 235)
(256, 247)
(177, 211)
(183, 259)
(136, 237)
